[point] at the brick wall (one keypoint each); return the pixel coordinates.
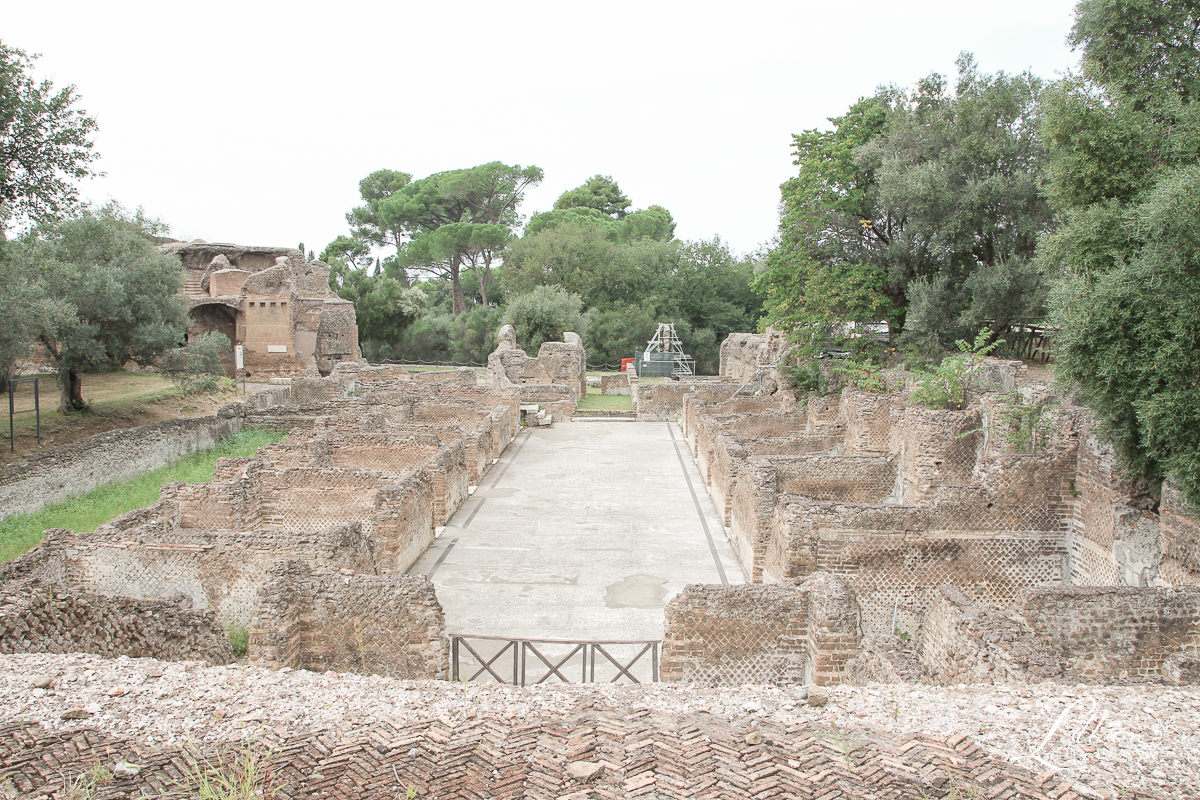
(1180, 539)
(41, 617)
(221, 571)
(893, 559)
(961, 642)
(326, 620)
(781, 634)
(1110, 633)
(730, 635)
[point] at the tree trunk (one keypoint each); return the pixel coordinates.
(459, 305)
(70, 390)
(483, 284)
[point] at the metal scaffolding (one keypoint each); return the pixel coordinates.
(666, 349)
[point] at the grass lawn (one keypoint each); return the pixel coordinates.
(87, 512)
(117, 400)
(606, 402)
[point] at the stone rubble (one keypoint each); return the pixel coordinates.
(1107, 740)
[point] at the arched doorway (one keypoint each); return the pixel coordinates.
(219, 318)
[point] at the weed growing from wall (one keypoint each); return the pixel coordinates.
(945, 386)
(239, 639)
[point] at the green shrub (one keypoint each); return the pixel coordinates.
(805, 379)
(239, 638)
(544, 315)
(197, 367)
(945, 386)
(863, 374)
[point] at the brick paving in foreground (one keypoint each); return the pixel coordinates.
(643, 754)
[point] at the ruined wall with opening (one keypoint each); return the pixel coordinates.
(555, 380)
(271, 300)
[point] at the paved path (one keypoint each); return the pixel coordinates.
(581, 531)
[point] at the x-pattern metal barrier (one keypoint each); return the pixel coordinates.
(528, 662)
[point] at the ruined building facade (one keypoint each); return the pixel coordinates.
(271, 300)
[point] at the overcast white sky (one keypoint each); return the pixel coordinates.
(253, 122)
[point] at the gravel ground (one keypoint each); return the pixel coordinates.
(1109, 738)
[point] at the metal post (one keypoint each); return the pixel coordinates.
(12, 441)
(37, 409)
(516, 656)
(454, 658)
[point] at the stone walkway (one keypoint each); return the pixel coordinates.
(581, 531)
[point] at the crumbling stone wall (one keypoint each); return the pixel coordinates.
(784, 634)
(614, 384)
(893, 557)
(43, 617)
(1116, 539)
(1179, 540)
(1110, 633)
(221, 571)
(555, 380)
(961, 642)
(664, 401)
(744, 354)
(728, 456)
(322, 620)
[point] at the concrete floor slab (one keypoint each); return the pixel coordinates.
(582, 531)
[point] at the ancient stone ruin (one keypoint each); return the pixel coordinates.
(883, 541)
(304, 546)
(271, 300)
(972, 553)
(553, 382)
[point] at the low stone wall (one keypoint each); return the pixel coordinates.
(784, 634)
(221, 571)
(664, 401)
(59, 473)
(961, 642)
(41, 617)
(1112, 633)
(614, 384)
(328, 620)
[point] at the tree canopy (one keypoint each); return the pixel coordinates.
(105, 293)
(1125, 143)
(445, 222)
(921, 208)
(599, 192)
(45, 143)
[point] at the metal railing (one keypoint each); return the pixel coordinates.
(528, 662)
